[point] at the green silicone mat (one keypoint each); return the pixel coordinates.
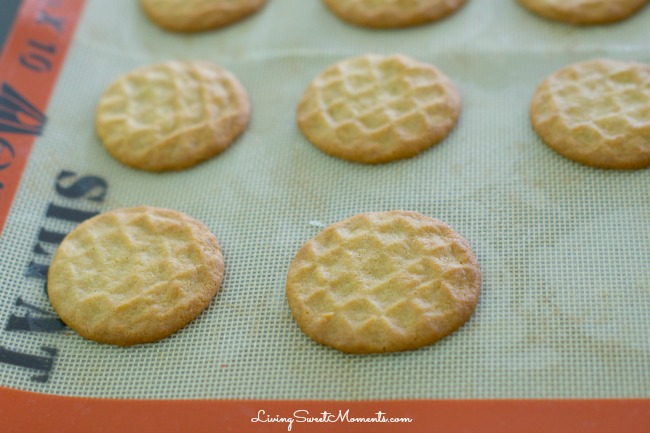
(564, 249)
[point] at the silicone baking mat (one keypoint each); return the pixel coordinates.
(564, 249)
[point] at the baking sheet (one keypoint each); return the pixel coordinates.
(564, 248)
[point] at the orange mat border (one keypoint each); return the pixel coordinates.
(33, 412)
(31, 61)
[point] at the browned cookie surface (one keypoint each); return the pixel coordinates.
(392, 13)
(375, 109)
(134, 275)
(383, 282)
(596, 112)
(584, 12)
(198, 15)
(171, 116)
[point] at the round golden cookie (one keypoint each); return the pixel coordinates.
(392, 13)
(383, 282)
(375, 109)
(171, 116)
(198, 15)
(584, 12)
(134, 275)
(597, 113)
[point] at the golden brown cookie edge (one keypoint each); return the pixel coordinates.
(239, 125)
(296, 308)
(364, 154)
(165, 331)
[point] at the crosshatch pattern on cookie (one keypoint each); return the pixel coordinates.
(134, 275)
(383, 282)
(596, 112)
(375, 109)
(172, 115)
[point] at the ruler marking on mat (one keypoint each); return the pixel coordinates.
(30, 63)
(32, 57)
